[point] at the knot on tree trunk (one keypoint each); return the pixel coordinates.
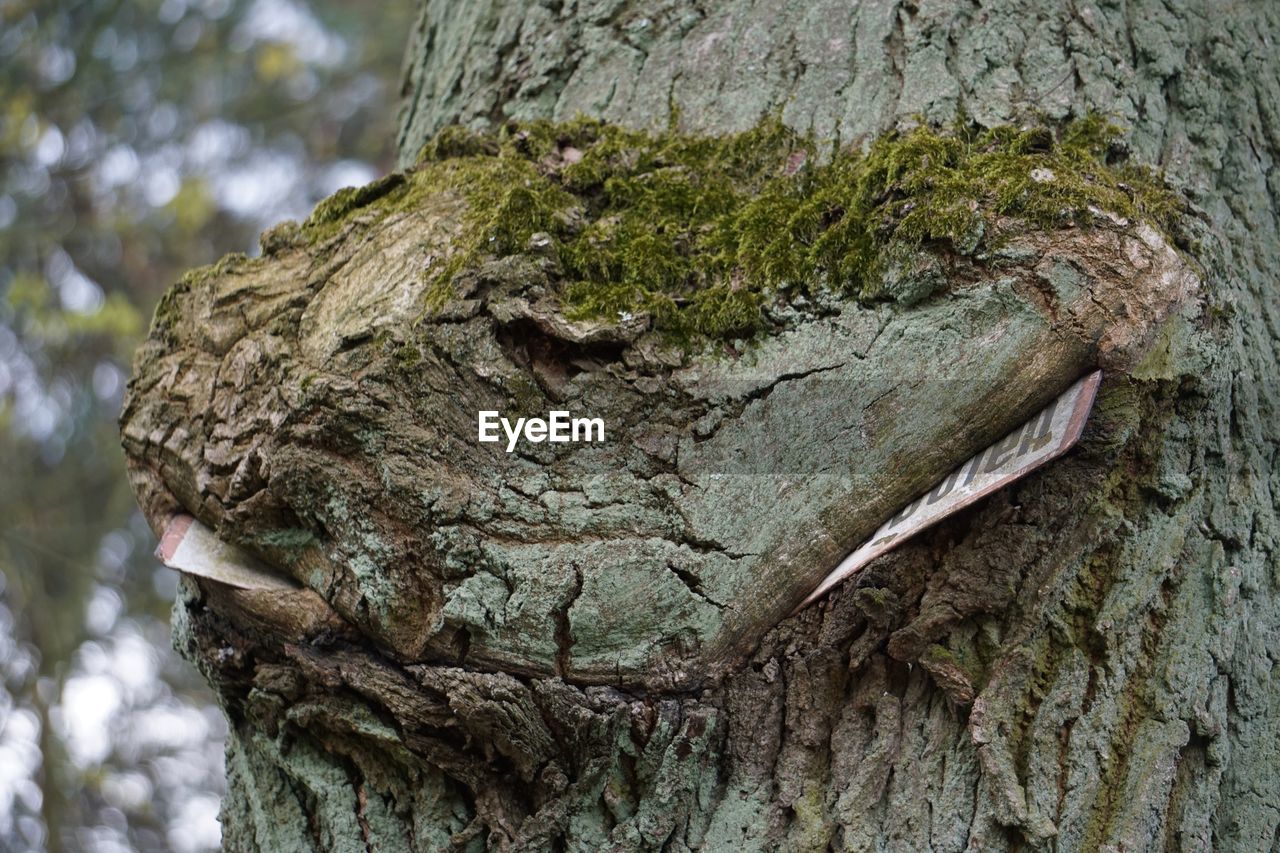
(319, 406)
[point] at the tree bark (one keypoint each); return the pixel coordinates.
(577, 651)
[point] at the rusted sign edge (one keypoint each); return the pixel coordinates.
(1066, 415)
(191, 547)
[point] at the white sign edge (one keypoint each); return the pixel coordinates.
(190, 547)
(1085, 390)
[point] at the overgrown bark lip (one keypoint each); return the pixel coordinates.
(300, 406)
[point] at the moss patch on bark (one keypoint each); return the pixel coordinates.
(703, 233)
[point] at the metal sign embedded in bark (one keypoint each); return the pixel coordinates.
(1046, 436)
(189, 546)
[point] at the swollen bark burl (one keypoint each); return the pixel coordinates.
(318, 406)
(788, 341)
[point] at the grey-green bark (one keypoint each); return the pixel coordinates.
(590, 650)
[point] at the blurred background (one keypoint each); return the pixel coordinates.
(137, 139)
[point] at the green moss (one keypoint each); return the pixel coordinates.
(329, 214)
(234, 262)
(168, 314)
(283, 235)
(703, 233)
(456, 141)
(168, 310)
(338, 205)
(811, 830)
(509, 200)
(407, 357)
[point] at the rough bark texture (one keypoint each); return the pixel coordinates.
(586, 650)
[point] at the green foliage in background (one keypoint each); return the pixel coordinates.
(137, 140)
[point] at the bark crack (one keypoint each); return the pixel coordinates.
(694, 584)
(564, 628)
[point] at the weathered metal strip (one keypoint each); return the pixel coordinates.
(1046, 436)
(189, 546)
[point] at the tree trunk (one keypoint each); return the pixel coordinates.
(591, 649)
